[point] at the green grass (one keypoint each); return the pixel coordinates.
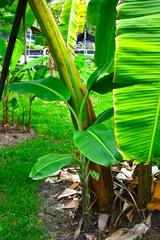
(19, 203)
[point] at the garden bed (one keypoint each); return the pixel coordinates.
(13, 136)
(62, 222)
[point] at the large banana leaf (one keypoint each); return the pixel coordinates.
(102, 80)
(137, 60)
(69, 22)
(97, 143)
(82, 15)
(92, 12)
(48, 89)
(105, 28)
(49, 164)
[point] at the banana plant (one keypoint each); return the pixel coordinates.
(134, 63)
(17, 77)
(79, 105)
(15, 46)
(103, 150)
(79, 101)
(80, 108)
(137, 60)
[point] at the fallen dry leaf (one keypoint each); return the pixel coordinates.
(72, 204)
(136, 232)
(127, 173)
(155, 170)
(74, 185)
(102, 221)
(156, 194)
(66, 175)
(154, 204)
(126, 206)
(78, 230)
(66, 193)
(116, 235)
(130, 215)
(148, 220)
(90, 237)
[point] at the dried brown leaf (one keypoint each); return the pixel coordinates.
(74, 185)
(130, 215)
(78, 230)
(90, 237)
(67, 193)
(72, 204)
(66, 175)
(136, 232)
(102, 221)
(116, 235)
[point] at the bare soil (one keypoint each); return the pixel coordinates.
(13, 135)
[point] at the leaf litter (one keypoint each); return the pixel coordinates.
(62, 196)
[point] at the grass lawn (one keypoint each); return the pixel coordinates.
(19, 203)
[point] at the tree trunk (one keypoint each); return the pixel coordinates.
(23, 124)
(144, 172)
(13, 35)
(5, 114)
(30, 114)
(102, 190)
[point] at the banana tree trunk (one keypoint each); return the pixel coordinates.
(70, 76)
(144, 184)
(102, 194)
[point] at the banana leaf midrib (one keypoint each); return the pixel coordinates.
(99, 139)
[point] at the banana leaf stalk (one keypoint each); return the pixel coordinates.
(70, 76)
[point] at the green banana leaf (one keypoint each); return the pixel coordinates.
(4, 3)
(105, 115)
(48, 89)
(2, 48)
(82, 15)
(93, 12)
(102, 80)
(98, 144)
(105, 28)
(33, 63)
(49, 164)
(69, 22)
(137, 61)
(41, 72)
(7, 15)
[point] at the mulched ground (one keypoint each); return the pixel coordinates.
(62, 224)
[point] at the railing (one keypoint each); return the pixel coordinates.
(32, 53)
